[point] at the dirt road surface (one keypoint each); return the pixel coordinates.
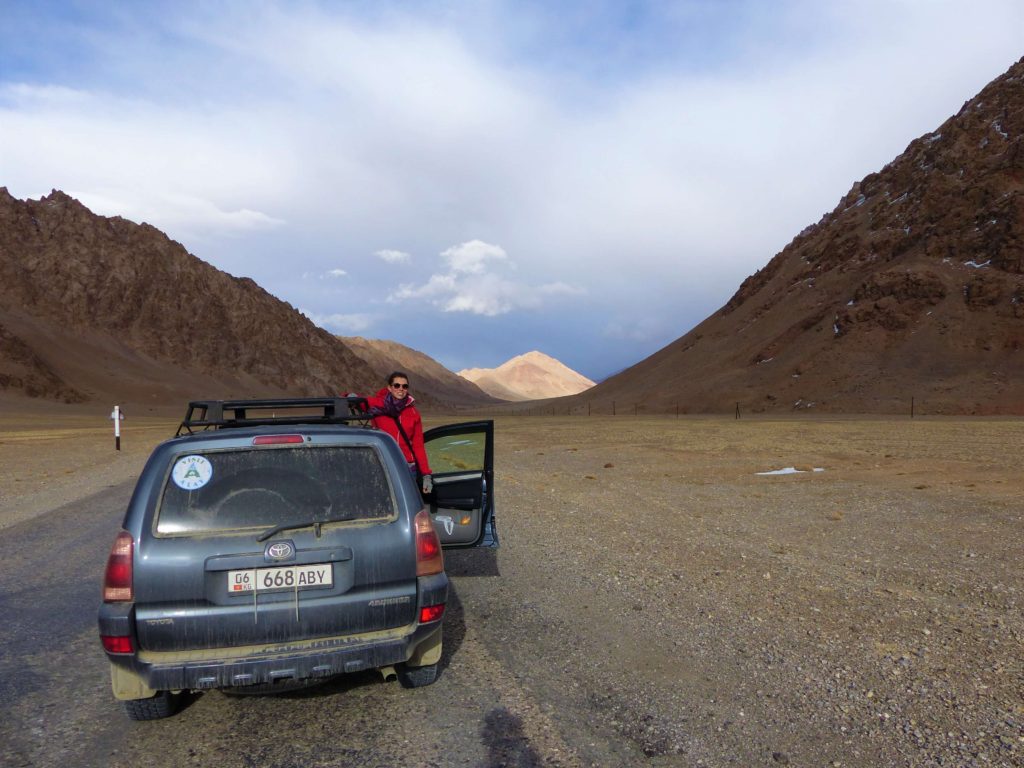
(655, 601)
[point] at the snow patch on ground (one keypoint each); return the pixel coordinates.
(790, 471)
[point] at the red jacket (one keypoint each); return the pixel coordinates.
(411, 423)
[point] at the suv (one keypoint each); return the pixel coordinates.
(275, 543)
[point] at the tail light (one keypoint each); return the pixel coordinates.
(429, 613)
(277, 439)
(117, 581)
(428, 547)
(116, 644)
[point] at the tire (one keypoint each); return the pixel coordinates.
(416, 677)
(164, 704)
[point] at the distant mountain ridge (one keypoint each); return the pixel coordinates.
(102, 308)
(531, 376)
(427, 377)
(911, 287)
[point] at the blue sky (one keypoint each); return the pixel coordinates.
(480, 179)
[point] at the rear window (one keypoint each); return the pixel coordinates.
(226, 490)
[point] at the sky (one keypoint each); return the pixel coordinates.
(478, 179)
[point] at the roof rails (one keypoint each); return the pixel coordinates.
(213, 414)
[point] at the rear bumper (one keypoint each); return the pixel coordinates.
(255, 665)
(236, 666)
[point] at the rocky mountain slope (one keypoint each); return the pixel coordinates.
(532, 376)
(428, 378)
(102, 308)
(911, 287)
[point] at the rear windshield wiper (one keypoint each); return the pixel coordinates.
(288, 527)
(293, 526)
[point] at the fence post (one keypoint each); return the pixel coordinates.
(737, 410)
(911, 407)
(613, 407)
(117, 415)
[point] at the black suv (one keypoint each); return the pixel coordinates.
(280, 542)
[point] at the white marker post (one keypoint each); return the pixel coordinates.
(117, 416)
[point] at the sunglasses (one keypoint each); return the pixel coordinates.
(399, 386)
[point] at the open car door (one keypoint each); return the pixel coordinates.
(462, 503)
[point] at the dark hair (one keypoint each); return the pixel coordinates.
(397, 375)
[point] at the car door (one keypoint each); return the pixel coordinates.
(462, 502)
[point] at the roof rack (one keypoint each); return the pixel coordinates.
(213, 414)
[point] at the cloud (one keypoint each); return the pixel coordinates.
(336, 273)
(642, 329)
(340, 323)
(392, 257)
(471, 257)
(487, 295)
(190, 174)
(176, 212)
(373, 120)
(561, 289)
(650, 155)
(469, 287)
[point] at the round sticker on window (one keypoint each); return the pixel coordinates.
(192, 472)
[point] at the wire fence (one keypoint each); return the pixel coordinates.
(909, 408)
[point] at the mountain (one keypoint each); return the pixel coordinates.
(103, 308)
(427, 377)
(533, 376)
(911, 287)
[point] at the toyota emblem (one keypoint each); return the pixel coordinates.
(280, 550)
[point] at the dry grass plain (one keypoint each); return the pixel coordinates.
(870, 612)
(49, 458)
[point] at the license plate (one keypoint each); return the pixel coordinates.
(280, 578)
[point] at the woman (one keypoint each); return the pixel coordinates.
(394, 411)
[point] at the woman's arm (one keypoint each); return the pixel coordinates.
(418, 447)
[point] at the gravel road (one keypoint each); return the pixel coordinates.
(655, 602)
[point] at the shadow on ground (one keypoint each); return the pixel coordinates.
(507, 745)
(471, 562)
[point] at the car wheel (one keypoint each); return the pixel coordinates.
(164, 704)
(416, 677)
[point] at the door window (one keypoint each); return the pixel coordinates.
(459, 452)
